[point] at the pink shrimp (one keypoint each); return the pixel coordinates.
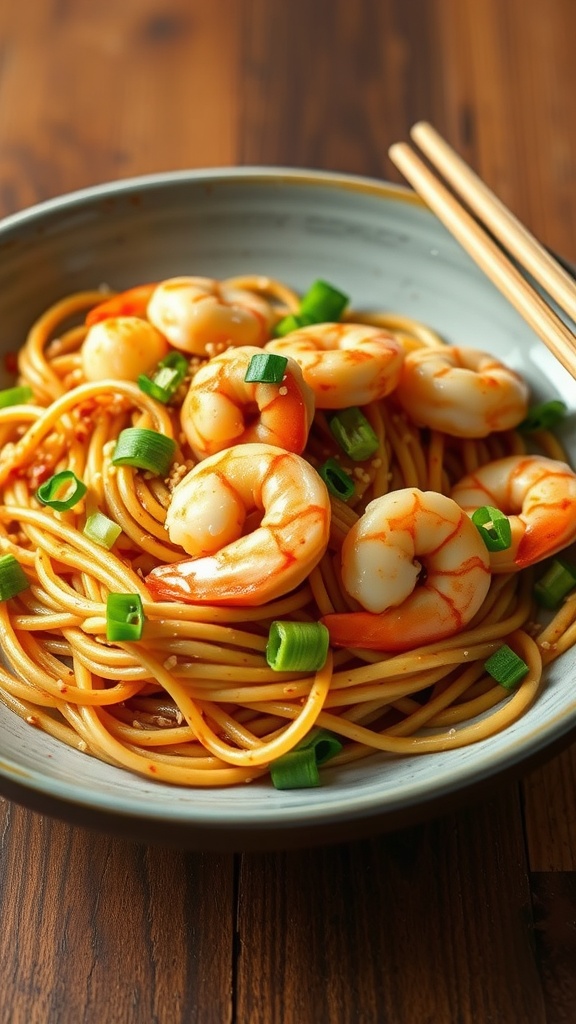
(222, 409)
(207, 517)
(419, 567)
(538, 495)
(344, 364)
(461, 391)
(203, 316)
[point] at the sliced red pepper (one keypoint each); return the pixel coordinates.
(132, 302)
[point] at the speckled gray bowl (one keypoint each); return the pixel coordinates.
(384, 249)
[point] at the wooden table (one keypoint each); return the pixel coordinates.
(470, 918)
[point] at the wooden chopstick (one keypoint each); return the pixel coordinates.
(497, 217)
(487, 253)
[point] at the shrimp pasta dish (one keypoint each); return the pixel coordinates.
(245, 531)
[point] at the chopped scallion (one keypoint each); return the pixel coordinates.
(292, 322)
(15, 396)
(297, 646)
(66, 483)
(13, 579)
(299, 768)
(354, 433)
(102, 530)
(558, 580)
(321, 304)
(124, 617)
(324, 744)
(266, 368)
(494, 527)
(296, 770)
(545, 416)
(144, 449)
(506, 667)
(337, 480)
(166, 379)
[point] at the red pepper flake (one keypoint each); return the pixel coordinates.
(11, 362)
(152, 768)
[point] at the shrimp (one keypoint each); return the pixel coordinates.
(538, 495)
(419, 567)
(207, 516)
(201, 316)
(461, 391)
(344, 364)
(121, 347)
(222, 409)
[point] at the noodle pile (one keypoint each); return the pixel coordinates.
(194, 702)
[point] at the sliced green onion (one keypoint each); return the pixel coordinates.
(545, 416)
(299, 768)
(66, 482)
(15, 396)
(337, 480)
(494, 527)
(324, 744)
(124, 617)
(102, 530)
(266, 368)
(292, 322)
(144, 449)
(354, 433)
(557, 581)
(506, 667)
(295, 770)
(166, 379)
(13, 579)
(297, 646)
(323, 302)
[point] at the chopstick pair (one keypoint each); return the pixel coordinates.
(504, 232)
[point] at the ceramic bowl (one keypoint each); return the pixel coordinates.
(385, 249)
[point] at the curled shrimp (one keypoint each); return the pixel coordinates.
(419, 567)
(461, 391)
(122, 348)
(344, 364)
(201, 315)
(207, 517)
(538, 495)
(222, 409)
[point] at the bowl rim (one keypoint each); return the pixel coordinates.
(252, 174)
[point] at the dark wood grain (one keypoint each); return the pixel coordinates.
(98, 929)
(550, 817)
(432, 924)
(466, 920)
(554, 896)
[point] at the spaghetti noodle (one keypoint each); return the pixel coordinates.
(194, 702)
